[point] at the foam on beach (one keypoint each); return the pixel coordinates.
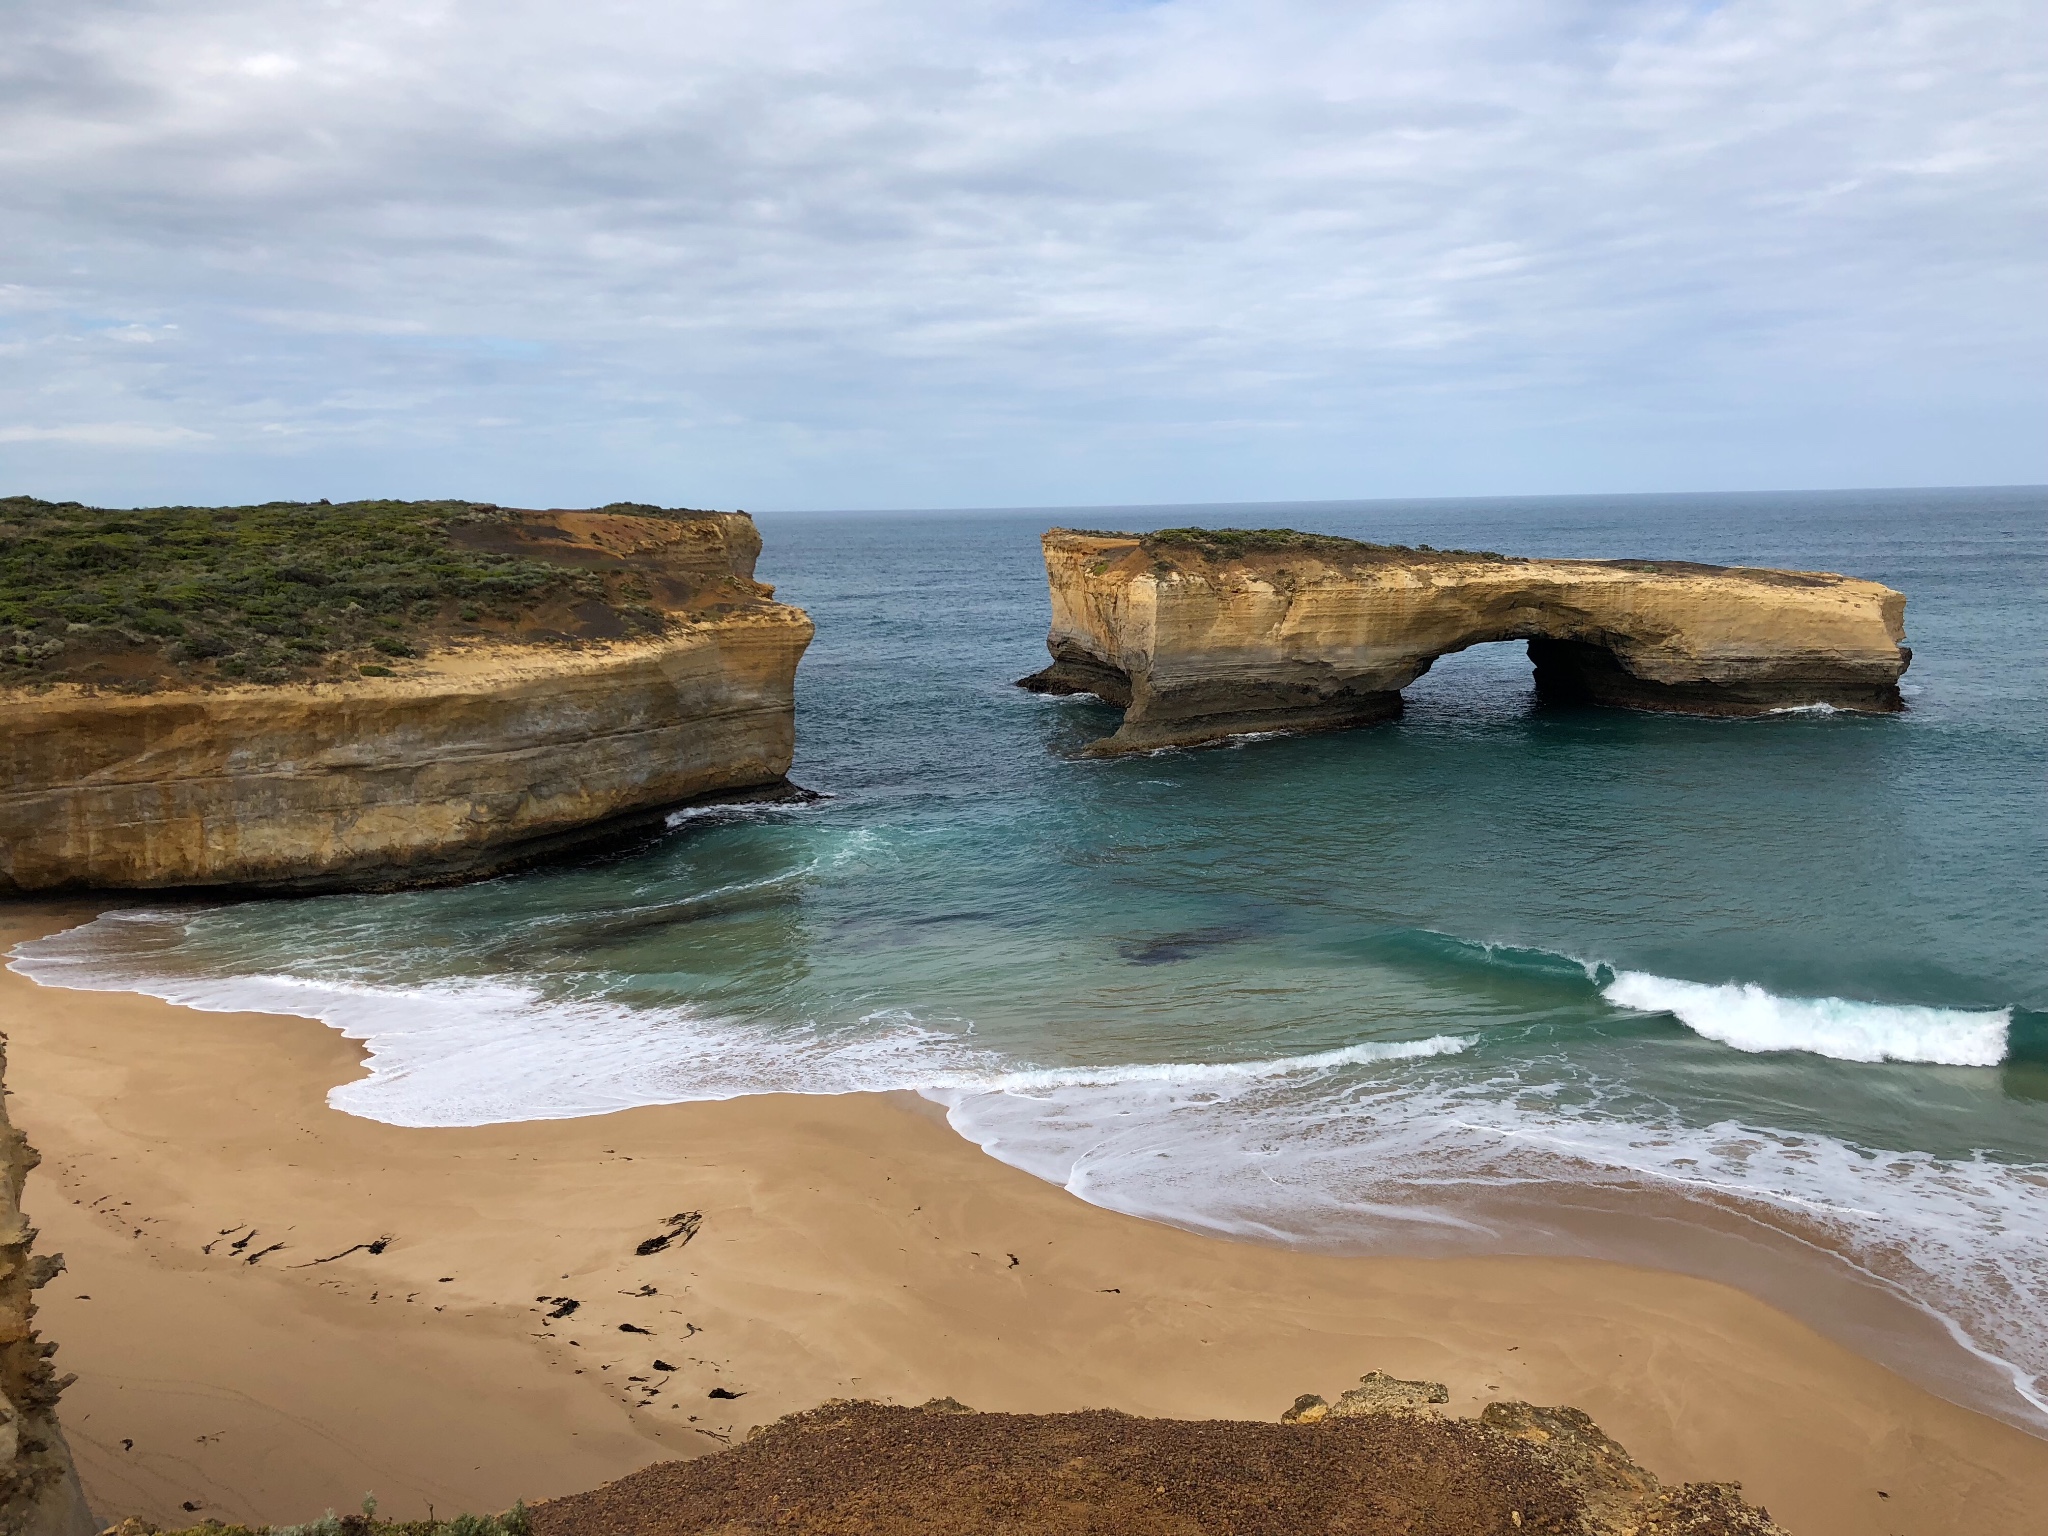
(1353, 1143)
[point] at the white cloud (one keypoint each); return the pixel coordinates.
(820, 252)
(104, 434)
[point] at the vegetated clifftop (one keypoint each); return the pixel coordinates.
(373, 695)
(1203, 634)
(39, 1492)
(1379, 1462)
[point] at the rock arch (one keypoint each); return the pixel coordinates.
(1199, 635)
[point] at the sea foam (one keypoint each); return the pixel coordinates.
(480, 1052)
(1745, 1016)
(1295, 1148)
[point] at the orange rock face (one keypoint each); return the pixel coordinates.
(477, 757)
(1202, 638)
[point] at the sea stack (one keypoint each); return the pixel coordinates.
(1200, 634)
(506, 685)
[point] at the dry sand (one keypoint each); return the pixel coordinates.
(848, 1246)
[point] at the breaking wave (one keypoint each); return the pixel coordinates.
(1745, 1016)
(1369, 1137)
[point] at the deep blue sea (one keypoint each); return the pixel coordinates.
(1759, 999)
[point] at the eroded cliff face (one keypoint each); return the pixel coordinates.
(490, 750)
(39, 1492)
(1204, 637)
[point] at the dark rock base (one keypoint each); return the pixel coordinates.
(1571, 672)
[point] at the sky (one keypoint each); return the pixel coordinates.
(952, 253)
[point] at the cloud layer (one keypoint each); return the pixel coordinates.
(865, 253)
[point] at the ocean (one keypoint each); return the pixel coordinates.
(1760, 1000)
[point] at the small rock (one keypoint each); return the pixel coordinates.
(1307, 1409)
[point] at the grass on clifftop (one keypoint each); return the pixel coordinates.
(1229, 543)
(1258, 541)
(268, 593)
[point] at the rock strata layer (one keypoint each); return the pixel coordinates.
(39, 1492)
(477, 757)
(1199, 636)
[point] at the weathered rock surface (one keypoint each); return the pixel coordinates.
(944, 1471)
(39, 1492)
(1198, 637)
(1376, 1392)
(478, 757)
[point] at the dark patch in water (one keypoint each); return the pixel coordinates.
(1171, 948)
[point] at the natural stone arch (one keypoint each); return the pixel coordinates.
(1199, 635)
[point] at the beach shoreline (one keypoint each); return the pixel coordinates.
(275, 1308)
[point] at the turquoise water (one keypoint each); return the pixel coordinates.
(1393, 989)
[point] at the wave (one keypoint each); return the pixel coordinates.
(1360, 1139)
(1198, 1074)
(492, 1051)
(1748, 1018)
(1965, 1240)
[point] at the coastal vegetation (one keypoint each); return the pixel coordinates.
(272, 593)
(1227, 543)
(515, 1521)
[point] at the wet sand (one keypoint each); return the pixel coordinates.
(274, 1308)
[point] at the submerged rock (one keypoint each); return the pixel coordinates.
(1201, 635)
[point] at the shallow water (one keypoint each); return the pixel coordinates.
(1407, 988)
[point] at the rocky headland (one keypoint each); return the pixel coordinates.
(375, 695)
(1199, 634)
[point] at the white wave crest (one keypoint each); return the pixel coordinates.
(490, 1051)
(1292, 1148)
(1745, 1016)
(1203, 1074)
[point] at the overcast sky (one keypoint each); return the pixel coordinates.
(876, 253)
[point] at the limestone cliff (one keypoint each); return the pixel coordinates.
(491, 748)
(1203, 635)
(39, 1492)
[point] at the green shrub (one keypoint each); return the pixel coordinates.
(219, 588)
(1228, 542)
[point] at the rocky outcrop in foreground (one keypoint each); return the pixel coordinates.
(1200, 635)
(667, 676)
(39, 1492)
(1380, 1462)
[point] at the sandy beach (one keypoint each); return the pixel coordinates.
(274, 1308)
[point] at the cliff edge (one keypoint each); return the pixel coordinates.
(1203, 634)
(384, 694)
(39, 1492)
